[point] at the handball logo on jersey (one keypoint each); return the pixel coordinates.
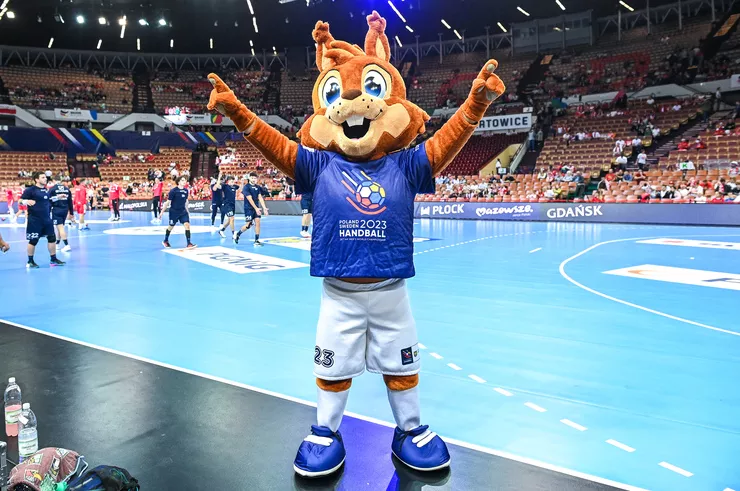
(368, 196)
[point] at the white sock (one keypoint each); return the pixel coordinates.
(330, 408)
(405, 406)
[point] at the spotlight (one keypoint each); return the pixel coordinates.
(80, 19)
(143, 22)
(38, 19)
(11, 14)
(102, 21)
(162, 22)
(211, 42)
(51, 42)
(138, 44)
(172, 43)
(122, 21)
(100, 43)
(236, 23)
(58, 17)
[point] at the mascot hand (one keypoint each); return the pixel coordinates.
(224, 101)
(487, 87)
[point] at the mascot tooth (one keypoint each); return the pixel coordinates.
(355, 157)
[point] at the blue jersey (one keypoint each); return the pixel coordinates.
(178, 201)
(254, 192)
(363, 211)
(229, 193)
(42, 209)
(61, 199)
(216, 195)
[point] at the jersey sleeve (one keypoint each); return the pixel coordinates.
(308, 166)
(27, 193)
(171, 194)
(415, 165)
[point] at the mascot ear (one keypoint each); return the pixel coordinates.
(376, 42)
(323, 43)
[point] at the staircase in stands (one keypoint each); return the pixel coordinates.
(534, 75)
(142, 95)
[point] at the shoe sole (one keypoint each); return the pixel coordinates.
(422, 469)
(305, 473)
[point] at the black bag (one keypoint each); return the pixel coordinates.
(105, 478)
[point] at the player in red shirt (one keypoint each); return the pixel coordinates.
(114, 197)
(79, 200)
(157, 200)
(10, 199)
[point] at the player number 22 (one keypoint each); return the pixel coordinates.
(328, 360)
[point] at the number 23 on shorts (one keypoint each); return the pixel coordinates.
(328, 357)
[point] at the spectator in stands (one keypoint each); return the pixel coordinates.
(683, 145)
(699, 144)
(580, 185)
(641, 160)
(621, 161)
(618, 147)
(531, 140)
(639, 176)
(666, 192)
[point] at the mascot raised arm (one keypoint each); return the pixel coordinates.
(355, 157)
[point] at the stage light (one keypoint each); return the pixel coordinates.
(501, 26)
(408, 28)
(400, 44)
(100, 43)
(122, 21)
(10, 14)
(51, 42)
(396, 11)
(162, 22)
(254, 22)
(251, 44)
(444, 23)
(143, 22)
(621, 2)
(80, 19)
(58, 17)
(138, 44)
(211, 43)
(172, 43)
(251, 10)
(562, 7)
(457, 34)
(102, 21)
(123, 30)
(252, 51)
(523, 11)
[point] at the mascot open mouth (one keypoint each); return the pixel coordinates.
(355, 127)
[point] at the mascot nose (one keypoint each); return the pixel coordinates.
(351, 94)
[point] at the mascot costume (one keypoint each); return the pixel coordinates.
(355, 157)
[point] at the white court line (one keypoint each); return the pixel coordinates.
(535, 250)
(453, 366)
(435, 355)
(503, 392)
(630, 304)
(477, 379)
(570, 423)
(452, 441)
(675, 469)
(620, 445)
(532, 405)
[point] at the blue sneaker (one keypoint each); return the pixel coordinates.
(320, 454)
(420, 449)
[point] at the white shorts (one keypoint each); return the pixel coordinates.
(365, 326)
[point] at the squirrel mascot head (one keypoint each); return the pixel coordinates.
(359, 99)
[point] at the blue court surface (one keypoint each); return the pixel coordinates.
(594, 348)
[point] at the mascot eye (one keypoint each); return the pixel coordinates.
(375, 84)
(331, 91)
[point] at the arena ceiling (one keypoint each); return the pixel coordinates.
(190, 25)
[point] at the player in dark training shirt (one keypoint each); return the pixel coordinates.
(217, 197)
(177, 202)
(61, 209)
(253, 200)
(228, 204)
(39, 222)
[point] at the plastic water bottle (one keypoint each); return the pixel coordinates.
(28, 435)
(12, 407)
(3, 467)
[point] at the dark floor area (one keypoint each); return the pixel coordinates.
(175, 431)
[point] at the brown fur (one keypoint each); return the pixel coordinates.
(401, 382)
(394, 121)
(334, 385)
